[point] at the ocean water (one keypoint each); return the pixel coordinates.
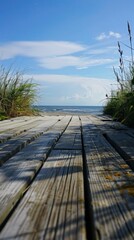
(95, 110)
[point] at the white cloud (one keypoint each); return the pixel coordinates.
(72, 61)
(101, 36)
(114, 34)
(93, 92)
(84, 95)
(57, 78)
(52, 54)
(80, 68)
(105, 50)
(86, 90)
(39, 50)
(111, 34)
(59, 62)
(76, 97)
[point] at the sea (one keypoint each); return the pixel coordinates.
(95, 110)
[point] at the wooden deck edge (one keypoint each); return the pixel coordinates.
(19, 148)
(128, 159)
(13, 203)
(23, 144)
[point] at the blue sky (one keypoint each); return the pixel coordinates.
(68, 47)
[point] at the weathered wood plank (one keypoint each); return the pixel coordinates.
(112, 183)
(71, 139)
(124, 144)
(53, 207)
(18, 171)
(14, 145)
(103, 125)
(13, 123)
(121, 138)
(15, 130)
(10, 131)
(17, 119)
(23, 126)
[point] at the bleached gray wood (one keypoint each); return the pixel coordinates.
(124, 144)
(9, 133)
(70, 141)
(14, 145)
(71, 138)
(53, 207)
(119, 136)
(12, 123)
(17, 119)
(111, 182)
(105, 125)
(18, 171)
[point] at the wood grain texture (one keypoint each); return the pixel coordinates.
(124, 144)
(44, 185)
(71, 139)
(111, 183)
(13, 128)
(119, 136)
(18, 171)
(15, 144)
(53, 207)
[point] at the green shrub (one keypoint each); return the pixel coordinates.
(121, 106)
(17, 95)
(110, 108)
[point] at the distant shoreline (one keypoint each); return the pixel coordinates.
(70, 110)
(42, 113)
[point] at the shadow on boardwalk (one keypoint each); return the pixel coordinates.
(54, 205)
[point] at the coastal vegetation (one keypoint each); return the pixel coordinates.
(120, 105)
(17, 94)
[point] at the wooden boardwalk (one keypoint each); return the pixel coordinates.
(66, 177)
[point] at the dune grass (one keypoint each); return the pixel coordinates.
(121, 106)
(17, 95)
